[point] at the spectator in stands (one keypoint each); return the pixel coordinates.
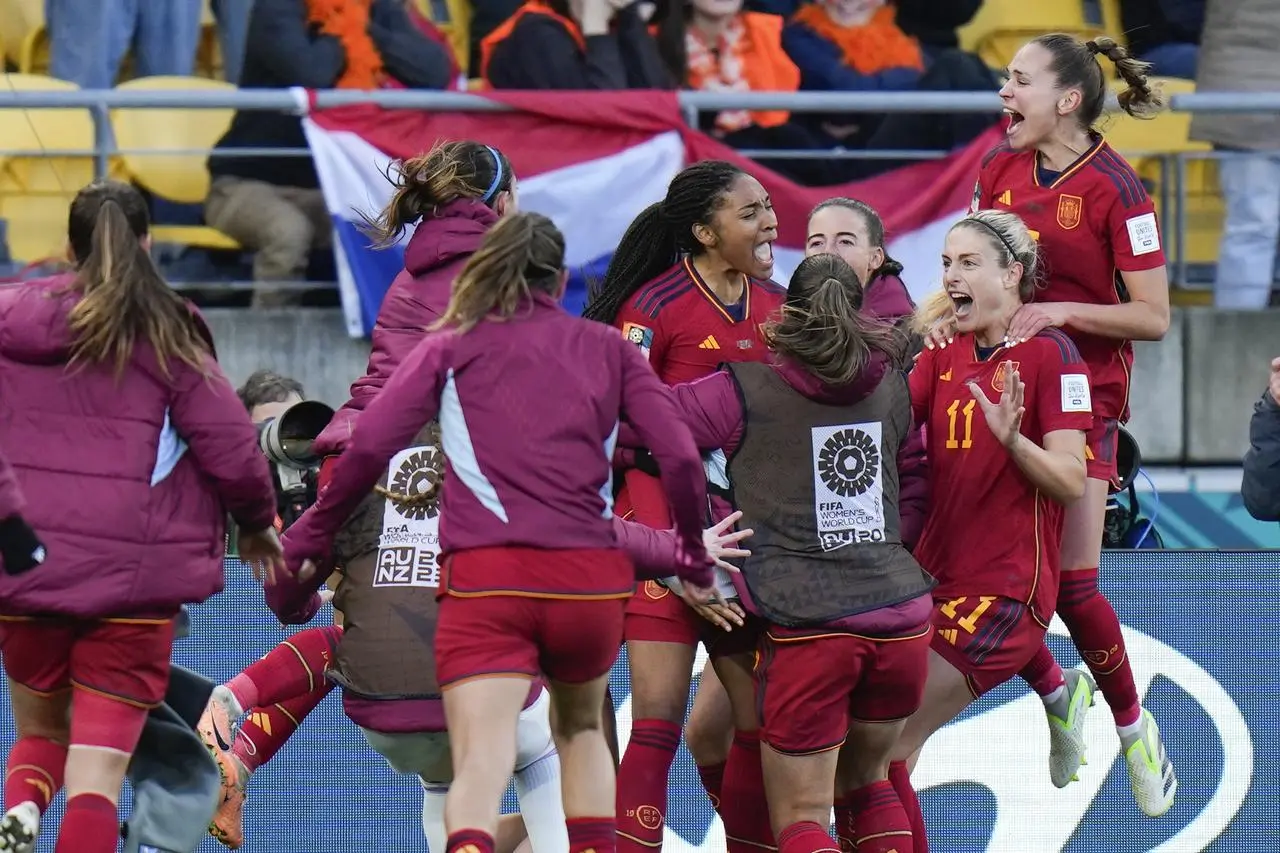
(1260, 487)
(273, 205)
(232, 18)
(934, 24)
(1165, 33)
(573, 44)
(715, 46)
(88, 39)
(1240, 52)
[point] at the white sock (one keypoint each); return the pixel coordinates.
(1056, 695)
(433, 798)
(541, 806)
(1130, 730)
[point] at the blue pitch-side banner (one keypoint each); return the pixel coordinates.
(1201, 629)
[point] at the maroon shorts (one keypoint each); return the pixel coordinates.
(1100, 449)
(655, 614)
(573, 640)
(811, 688)
(987, 638)
(123, 659)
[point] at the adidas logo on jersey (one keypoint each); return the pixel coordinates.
(709, 343)
(1006, 198)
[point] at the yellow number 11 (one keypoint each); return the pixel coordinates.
(967, 411)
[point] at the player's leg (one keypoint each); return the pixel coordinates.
(744, 808)
(871, 817)
(661, 642)
(709, 732)
(36, 657)
(120, 670)
(538, 778)
(579, 642)
(609, 714)
(1095, 630)
(804, 702)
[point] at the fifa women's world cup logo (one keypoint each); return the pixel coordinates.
(414, 489)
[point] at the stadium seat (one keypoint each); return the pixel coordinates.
(36, 188)
(453, 17)
(1154, 147)
(1112, 22)
(181, 178)
(26, 42)
(1002, 26)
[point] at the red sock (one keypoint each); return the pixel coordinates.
(712, 777)
(743, 806)
(91, 824)
(1043, 673)
(845, 829)
(880, 823)
(642, 784)
(592, 834)
(469, 841)
(900, 779)
(265, 730)
(805, 837)
(34, 772)
(1095, 630)
(292, 668)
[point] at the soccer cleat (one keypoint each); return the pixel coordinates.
(1066, 727)
(1150, 771)
(19, 828)
(228, 822)
(217, 723)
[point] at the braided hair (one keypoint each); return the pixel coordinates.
(662, 232)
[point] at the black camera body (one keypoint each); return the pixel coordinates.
(286, 442)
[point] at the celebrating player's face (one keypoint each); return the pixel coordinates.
(840, 231)
(743, 229)
(983, 296)
(1031, 97)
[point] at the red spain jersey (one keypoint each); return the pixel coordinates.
(1092, 221)
(687, 333)
(989, 531)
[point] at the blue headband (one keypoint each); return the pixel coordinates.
(497, 176)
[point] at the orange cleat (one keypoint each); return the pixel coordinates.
(228, 822)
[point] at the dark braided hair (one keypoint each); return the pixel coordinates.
(661, 234)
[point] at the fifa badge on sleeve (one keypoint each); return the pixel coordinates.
(641, 336)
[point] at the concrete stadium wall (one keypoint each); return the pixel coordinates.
(1192, 396)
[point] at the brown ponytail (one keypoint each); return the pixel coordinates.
(1075, 65)
(125, 297)
(448, 172)
(822, 326)
(524, 252)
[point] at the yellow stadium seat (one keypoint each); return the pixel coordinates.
(35, 189)
(1112, 22)
(1003, 26)
(26, 41)
(1153, 146)
(144, 135)
(453, 17)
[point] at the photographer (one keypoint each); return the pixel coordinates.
(1260, 486)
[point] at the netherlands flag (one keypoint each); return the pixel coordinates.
(591, 162)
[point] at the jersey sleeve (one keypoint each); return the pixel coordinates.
(922, 380)
(1134, 230)
(1062, 385)
(645, 332)
(982, 196)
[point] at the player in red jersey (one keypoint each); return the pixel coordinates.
(1019, 460)
(1107, 285)
(689, 285)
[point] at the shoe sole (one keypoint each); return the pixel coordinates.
(15, 835)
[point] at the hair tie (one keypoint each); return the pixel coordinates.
(1012, 254)
(1094, 50)
(497, 176)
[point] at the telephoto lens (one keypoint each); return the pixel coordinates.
(287, 440)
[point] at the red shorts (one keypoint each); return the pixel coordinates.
(810, 689)
(987, 638)
(1100, 449)
(573, 640)
(125, 660)
(655, 614)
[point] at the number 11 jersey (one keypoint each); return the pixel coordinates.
(989, 531)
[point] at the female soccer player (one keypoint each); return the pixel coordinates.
(1003, 473)
(108, 360)
(689, 285)
(811, 440)
(529, 401)
(853, 230)
(1106, 285)
(451, 196)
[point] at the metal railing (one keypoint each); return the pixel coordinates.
(100, 103)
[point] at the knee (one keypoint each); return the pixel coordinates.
(572, 719)
(659, 700)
